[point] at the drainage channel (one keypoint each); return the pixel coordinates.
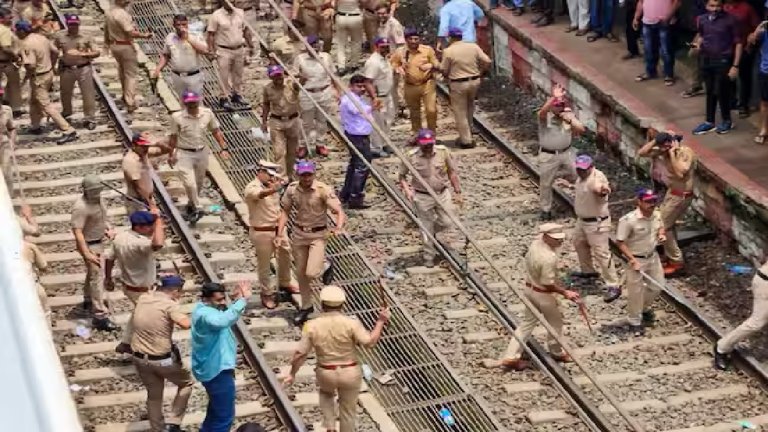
(427, 384)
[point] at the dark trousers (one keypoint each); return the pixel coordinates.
(658, 42)
(221, 402)
(745, 79)
(357, 172)
(630, 33)
(714, 72)
(601, 16)
(546, 7)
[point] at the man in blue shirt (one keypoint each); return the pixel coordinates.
(214, 351)
(358, 130)
(462, 14)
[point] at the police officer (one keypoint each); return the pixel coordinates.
(39, 14)
(416, 64)
(280, 117)
(557, 127)
(372, 18)
(638, 234)
(7, 144)
(756, 321)
(189, 147)
(10, 58)
(155, 356)
(134, 250)
(348, 34)
(312, 199)
(593, 225)
(286, 47)
(463, 65)
(316, 18)
(389, 27)
(183, 52)
(262, 197)
(679, 161)
(380, 76)
(136, 172)
(227, 38)
(318, 83)
(119, 33)
(541, 286)
(335, 336)
(91, 227)
(39, 55)
(75, 67)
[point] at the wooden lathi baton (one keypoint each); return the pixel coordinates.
(583, 313)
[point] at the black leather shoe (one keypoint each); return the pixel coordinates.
(104, 324)
(327, 275)
(173, 428)
(123, 348)
(649, 318)
(238, 100)
(612, 294)
(67, 137)
(225, 104)
(35, 130)
(87, 305)
(548, 20)
(358, 206)
(638, 330)
(545, 215)
(585, 275)
(722, 361)
(302, 316)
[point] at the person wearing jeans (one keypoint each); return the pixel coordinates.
(719, 43)
(358, 130)
(657, 19)
(601, 14)
(214, 351)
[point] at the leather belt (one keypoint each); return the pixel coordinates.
(427, 193)
(186, 74)
(42, 73)
(234, 47)
(681, 193)
(650, 255)
(122, 42)
(76, 66)
(762, 275)
(265, 229)
(472, 78)
(594, 219)
(192, 150)
(152, 357)
(350, 14)
(340, 366)
(419, 84)
(537, 289)
(135, 288)
(310, 229)
(317, 90)
(555, 152)
(93, 242)
(285, 117)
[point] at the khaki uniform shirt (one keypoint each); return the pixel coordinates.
(334, 336)
(306, 66)
(181, 55)
(9, 42)
(463, 60)
(37, 51)
(640, 233)
(283, 101)
(434, 169)
(541, 263)
(119, 25)
(135, 258)
(6, 126)
(229, 27)
(262, 212)
(311, 204)
(66, 42)
(191, 130)
(89, 217)
(554, 134)
(153, 320)
(134, 168)
(348, 6)
(588, 202)
(684, 183)
(411, 61)
(379, 70)
(392, 30)
(40, 18)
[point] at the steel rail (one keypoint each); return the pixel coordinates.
(283, 405)
(748, 362)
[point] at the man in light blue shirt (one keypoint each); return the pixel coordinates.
(214, 351)
(358, 130)
(462, 14)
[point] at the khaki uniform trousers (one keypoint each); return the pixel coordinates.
(349, 35)
(12, 84)
(43, 297)
(672, 209)
(415, 97)
(153, 374)
(548, 305)
(193, 166)
(754, 323)
(384, 119)
(463, 106)
(553, 166)
(263, 243)
(83, 76)
(642, 294)
(371, 26)
(309, 257)
(40, 102)
(315, 24)
(347, 382)
(590, 239)
(315, 125)
(231, 65)
(133, 296)
(6, 166)
(434, 218)
(93, 289)
(127, 71)
(195, 83)
(285, 140)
